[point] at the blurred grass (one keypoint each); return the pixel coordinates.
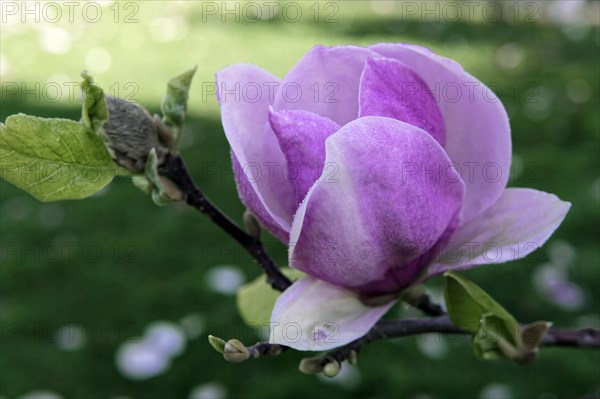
(153, 261)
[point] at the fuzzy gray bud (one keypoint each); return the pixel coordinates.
(130, 133)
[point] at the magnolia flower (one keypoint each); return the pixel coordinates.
(380, 167)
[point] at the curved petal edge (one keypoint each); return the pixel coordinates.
(244, 116)
(520, 222)
(477, 128)
(313, 315)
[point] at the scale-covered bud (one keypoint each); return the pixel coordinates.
(332, 369)
(311, 365)
(131, 132)
(235, 351)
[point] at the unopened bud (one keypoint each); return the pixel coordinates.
(130, 133)
(311, 365)
(331, 369)
(170, 190)
(530, 338)
(275, 350)
(235, 351)
(353, 357)
(252, 225)
(533, 334)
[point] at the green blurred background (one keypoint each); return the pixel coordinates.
(82, 282)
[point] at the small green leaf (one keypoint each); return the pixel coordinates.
(496, 333)
(217, 343)
(53, 159)
(95, 110)
(467, 304)
(174, 103)
(162, 190)
(255, 300)
(143, 183)
(491, 341)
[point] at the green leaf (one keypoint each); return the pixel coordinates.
(53, 159)
(174, 103)
(217, 343)
(467, 305)
(95, 110)
(255, 300)
(496, 333)
(462, 309)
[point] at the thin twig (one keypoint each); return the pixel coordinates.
(388, 329)
(266, 349)
(174, 169)
(582, 338)
(555, 337)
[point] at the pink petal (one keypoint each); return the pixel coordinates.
(244, 95)
(477, 128)
(517, 224)
(313, 315)
(250, 199)
(367, 224)
(302, 138)
(325, 81)
(390, 88)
